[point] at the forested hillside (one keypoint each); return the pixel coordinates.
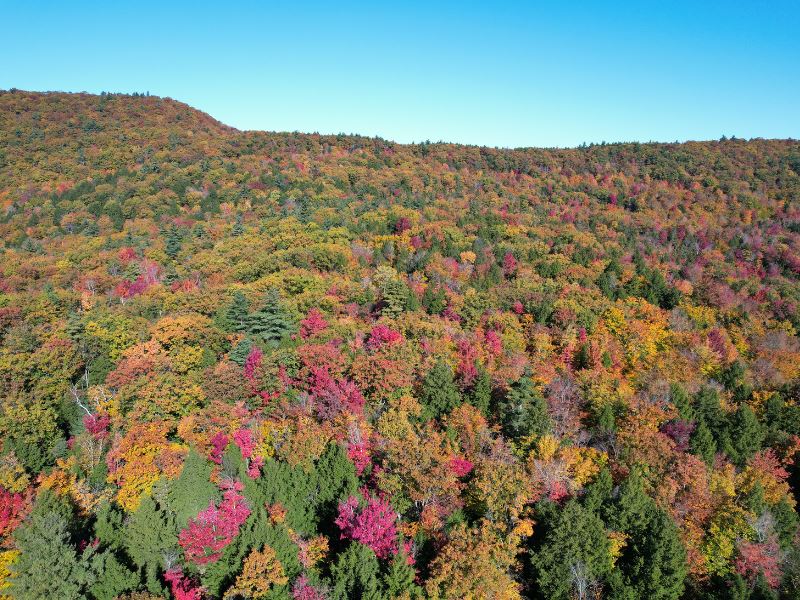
(300, 366)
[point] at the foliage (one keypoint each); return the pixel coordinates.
(327, 366)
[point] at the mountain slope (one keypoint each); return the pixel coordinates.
(251, 364)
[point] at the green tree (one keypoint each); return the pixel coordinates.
(48, 566)
(523, 411)
(241, 351)
(238, 226)
(356, 574)
(236, 313)
(653, 561)
(480, 395)
(272, 322)
(173, 242)
(113, 579)
(399, 579)
(574, 557)
(434, 300)
(746, 435)
(396, 298)
(191, 491)
(150, 534)
(439, 394)
(702, 443)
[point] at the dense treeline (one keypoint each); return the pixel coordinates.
(261, 365)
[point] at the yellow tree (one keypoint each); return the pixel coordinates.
(262, 570)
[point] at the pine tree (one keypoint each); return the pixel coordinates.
(173, 244)
(574, 556)
(272, 322)
(523, 411)
(480, 396)
(434, 300)
(653, 561)
(241, 351)
(599, 491)
(702, 443)
(439, 394)
(356, 574)
(236, 313)
(746, 435)
(400, 578)
(395, 298)
(210, 204)
(109, 525)
(149, 533)
(114, 578)
(238, 226)
(680, 399)
(192, 490)
(762, 590)
(48, 566)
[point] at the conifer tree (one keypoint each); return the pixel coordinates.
(241, 351)
(238, 226)
(114, 578)
(439, 394)
(356, 574)
(480, 395)
(48, 565)
(746, 435)
(173, 245)
(574, 557)
(653, 560)
(272, 322)
(434, 300)
(523, 411)
(149, 533)
(702, 443)
(191, 491)
(399, 580)
(236, 313)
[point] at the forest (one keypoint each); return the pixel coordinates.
(244, 365)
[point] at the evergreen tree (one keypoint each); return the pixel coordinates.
(786, 521)
(396, 298)
(173, 244)
(192, 490)
(653, 561)
(210, 203)
(356, 574)
(762, 590)
(241, 351)
(399, 581)
(574, 556)
(746, 435)
(680, 399)
(150, 533)
(523, 411)
(109, 525)
(599, 491)
(709, 411)
(434, 300)
(790, 584)
(48, 565)
(480, 395)
(238, 226)
(272, 322)
(439, 394)
(236, 313)
(114, 578)
(702, 443)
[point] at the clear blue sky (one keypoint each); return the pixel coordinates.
(495, 73)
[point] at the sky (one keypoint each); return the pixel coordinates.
(505, 74)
